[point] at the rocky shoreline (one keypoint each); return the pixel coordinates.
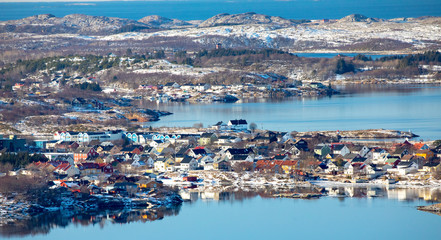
(17, 207)
(435, 208)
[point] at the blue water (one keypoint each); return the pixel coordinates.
(331, 55)
(262, 218)
(203, 9)
(414, 108)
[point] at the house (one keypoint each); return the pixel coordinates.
(351, 156)
(377, 154)
(340, 149)
(404, 168)
(322, 150)
(302, 145)
(400, 152)
(372, 171)
(227, 139)
(197, 152)
(334, 167)
(267, 166)
(135, 149)
(240, 158)
(220, 126)
(83, 153)
(66, 146)
(188, 163)
(171, 85)
(164, 165)
(288, 166)
(427, 154)
(207, 138)
(359, 149)
(230, 152)
(239, 125)
(106, 168)
(148, 184)
(129, 187)
(67, 169)
(88, 168)
(354, 168)
(222, 165)
(202, 161)
(148, 160)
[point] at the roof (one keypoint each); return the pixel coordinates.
(198, 151)
(419, 145)
(238, 122)
(187, 159)
(207, 135)
(339, 147)
(235, 151)
(239, 157)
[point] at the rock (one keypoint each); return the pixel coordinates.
(225, 19)
(156, 21)
(358, 18)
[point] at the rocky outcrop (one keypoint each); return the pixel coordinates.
(155, 21)
(358, 18)
(226, 19)
(435, 208)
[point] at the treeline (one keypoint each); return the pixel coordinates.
(88, 64)
(21, 159)
(411, 60)
(88, 86)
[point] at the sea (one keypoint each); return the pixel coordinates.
(412, 107)
(349, 212)
(204, 9)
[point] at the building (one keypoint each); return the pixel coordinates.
(239, 125)
(12, 144)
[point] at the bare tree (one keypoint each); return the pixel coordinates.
(253, 127)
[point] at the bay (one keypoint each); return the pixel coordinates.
(410, 107)
(204, 9)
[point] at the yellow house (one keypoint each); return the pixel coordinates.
(164, 165)
(287, 165)
(207, 138)
(426, 154)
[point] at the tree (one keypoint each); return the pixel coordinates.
(253, 127)
(343, 67)
(437, 143)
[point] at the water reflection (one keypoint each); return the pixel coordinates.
(240, 194)
(42, 224)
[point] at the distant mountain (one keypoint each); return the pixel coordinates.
(74, 23)
(226, 19)
(358, 18)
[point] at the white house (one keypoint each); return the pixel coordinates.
(188, 163)
(239, 125)
(340, 149)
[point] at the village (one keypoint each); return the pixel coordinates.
(236, 153)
